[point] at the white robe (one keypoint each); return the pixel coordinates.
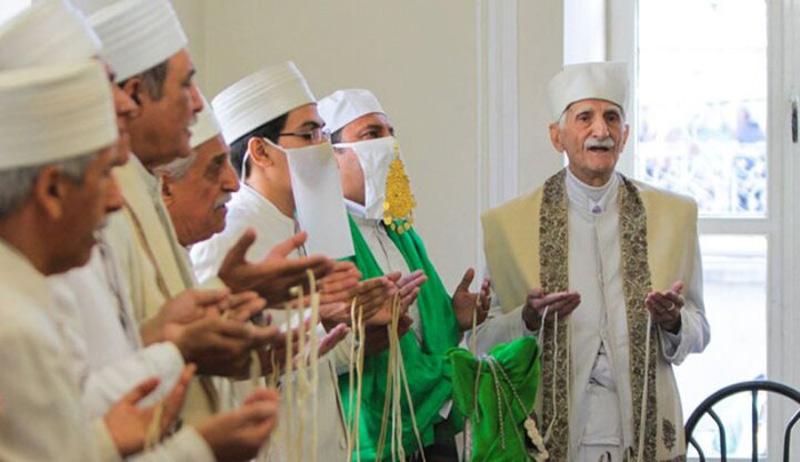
(104, 351)
(103, 343)
(41, 418)
(248, 209)
(601, 393)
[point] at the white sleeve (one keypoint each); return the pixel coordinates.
(105, 386)
(40, 417)
(695, 332)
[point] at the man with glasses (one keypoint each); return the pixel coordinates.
(265, 117)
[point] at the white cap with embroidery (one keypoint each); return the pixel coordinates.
(607, 81)
(344, 106)
(206, 126)
(138, 35)
(53, 113)
(47, 33)
(259, 98)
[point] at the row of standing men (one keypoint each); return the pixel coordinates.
(142, 231)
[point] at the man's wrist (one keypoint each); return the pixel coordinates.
(673, 327)
(531, 319)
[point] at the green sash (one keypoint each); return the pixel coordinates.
(429, 373)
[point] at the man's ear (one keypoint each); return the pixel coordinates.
(625, 133)
(49, 191)
(261, 153)
(134, 88)
(555, 137)
(167, 190)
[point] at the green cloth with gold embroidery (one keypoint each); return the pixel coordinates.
(427, 368)
(520, 361)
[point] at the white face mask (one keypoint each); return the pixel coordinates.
(318, 199)
(375, 157)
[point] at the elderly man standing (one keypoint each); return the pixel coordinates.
(380, 202)
(608, 271)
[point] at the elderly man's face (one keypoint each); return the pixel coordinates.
(593, 135)
(367, 127)
(162, 131)
(85, 206)
(196, 202)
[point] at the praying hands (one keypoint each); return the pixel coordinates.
(540, 304)
(665, 307)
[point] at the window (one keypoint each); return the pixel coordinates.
(701, 130)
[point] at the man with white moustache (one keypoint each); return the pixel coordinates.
(608, 271)
(197, 188)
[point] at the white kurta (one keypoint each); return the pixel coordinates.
(41, 418)
(601, 410)
(94, 313)
(104, 351)
(248, 209)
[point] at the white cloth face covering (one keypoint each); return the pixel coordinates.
(319, 200)
(375, 158)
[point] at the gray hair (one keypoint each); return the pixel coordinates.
(16, 184)
(177, 169)
(153, 80)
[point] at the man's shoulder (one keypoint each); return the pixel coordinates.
(24, 322)
(525, 203)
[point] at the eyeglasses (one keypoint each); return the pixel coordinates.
(316, 135)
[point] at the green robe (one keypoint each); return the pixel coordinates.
(428, 370)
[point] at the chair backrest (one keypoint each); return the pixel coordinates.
(753, 388)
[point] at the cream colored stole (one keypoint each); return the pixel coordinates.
(158, 273)
(526, 245)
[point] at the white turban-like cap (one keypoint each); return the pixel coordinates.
(138, 35)
(259, 98)
(47, 33)
(607, 81)
(54, 113)
(206, 126)
(345, 106)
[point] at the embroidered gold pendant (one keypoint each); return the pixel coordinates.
(400, 202)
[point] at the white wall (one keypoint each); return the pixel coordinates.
(426, 62)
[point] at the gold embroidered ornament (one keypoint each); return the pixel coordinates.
(399, 203)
